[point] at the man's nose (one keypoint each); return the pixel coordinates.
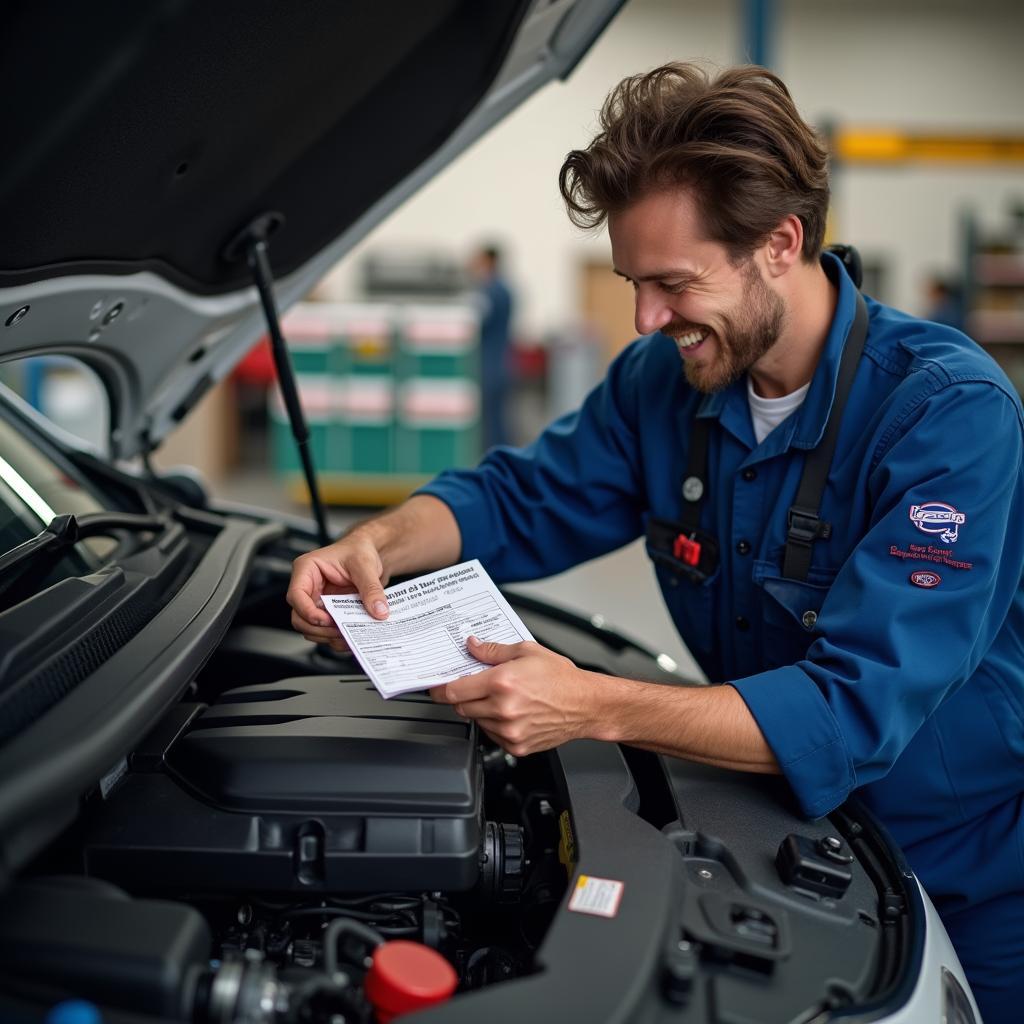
(651, 313)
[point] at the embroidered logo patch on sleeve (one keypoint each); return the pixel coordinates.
(938, 517)
(925, 579)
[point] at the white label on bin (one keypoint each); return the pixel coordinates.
(599, 896)
(449, 330)
(452, 336)
(331, 321)
(305, 329)
(315, 394)
(365, 399)
(449, 403)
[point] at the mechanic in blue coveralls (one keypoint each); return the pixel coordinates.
(890, 661)
(495, 298)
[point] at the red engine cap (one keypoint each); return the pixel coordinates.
(407, 976)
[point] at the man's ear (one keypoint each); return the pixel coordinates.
(784, 246)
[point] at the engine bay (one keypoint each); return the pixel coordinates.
(259, 849)
(282, 845)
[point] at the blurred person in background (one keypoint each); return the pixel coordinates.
(945, 303)
(868, 631)
(496, 306)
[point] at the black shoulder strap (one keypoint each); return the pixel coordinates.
(696, 482)
(805, 524)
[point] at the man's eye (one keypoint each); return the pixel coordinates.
(673, 287)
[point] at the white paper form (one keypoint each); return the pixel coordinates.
(422, 642)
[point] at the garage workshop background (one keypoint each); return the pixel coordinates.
(922, 99)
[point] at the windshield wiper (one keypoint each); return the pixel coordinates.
(67, 530)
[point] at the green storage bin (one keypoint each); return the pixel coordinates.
(438, 341)
(345, 356)
(430, 450)
(438, 425)
(363, 361)
(285, 453)
(308, 336)
(364, 409)
(314, 393)
(363, 340)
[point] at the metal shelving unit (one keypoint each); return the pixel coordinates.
(993, 286)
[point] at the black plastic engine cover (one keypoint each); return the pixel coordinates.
(328, 746)
(311, 783)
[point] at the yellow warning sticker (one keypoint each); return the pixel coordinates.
(600, 896)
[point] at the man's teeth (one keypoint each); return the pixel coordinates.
(689, 339)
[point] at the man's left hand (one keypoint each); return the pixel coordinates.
(531, 699)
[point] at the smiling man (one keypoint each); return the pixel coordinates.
(830, 491)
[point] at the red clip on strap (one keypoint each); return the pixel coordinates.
(686, 550)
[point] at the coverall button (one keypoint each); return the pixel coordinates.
(743, 547)
(809, 619)
(693, 488)
(742, 624)
(750, 474)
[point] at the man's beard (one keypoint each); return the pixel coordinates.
(746, 335)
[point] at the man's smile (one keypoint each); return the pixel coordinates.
(691, 339)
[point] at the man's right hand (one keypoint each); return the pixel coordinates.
(352, 565)
(419, 535)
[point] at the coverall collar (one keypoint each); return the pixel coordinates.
(804, 429)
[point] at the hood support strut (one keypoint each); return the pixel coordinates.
(254, 243)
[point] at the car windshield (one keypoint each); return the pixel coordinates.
(34, 489)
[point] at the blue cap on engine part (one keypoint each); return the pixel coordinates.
(74, 1011)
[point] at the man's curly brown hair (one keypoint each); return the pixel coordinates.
(736, 140)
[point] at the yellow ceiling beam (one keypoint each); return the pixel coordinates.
(885, 146)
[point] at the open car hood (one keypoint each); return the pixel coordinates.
(145, 137)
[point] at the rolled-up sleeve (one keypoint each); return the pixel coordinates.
(892, 648)
(574, 494)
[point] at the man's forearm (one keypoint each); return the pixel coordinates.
(419, 535)
(712, 724)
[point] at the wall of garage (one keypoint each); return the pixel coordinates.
(913, 64)
(944, 65)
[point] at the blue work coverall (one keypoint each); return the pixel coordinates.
(897, 669)
(495, 326)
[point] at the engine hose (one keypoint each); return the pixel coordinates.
(336, 929)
